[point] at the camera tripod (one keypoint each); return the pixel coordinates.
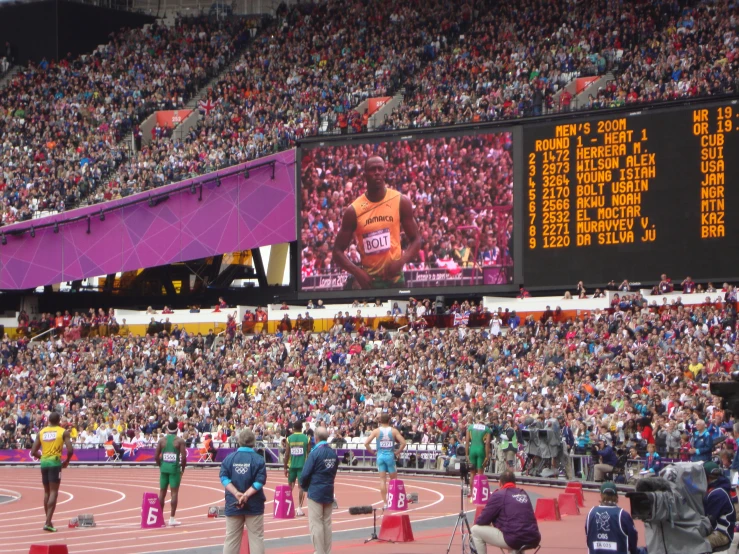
(468, 547)
(374, 536)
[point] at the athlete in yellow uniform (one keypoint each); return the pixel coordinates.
(48, 447)
(375, 220)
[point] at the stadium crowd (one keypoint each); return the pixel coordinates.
(451, 182)
(310, 68)
(632, 376)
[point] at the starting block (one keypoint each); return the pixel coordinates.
(82, 520)
(217, 511)
(412, 498)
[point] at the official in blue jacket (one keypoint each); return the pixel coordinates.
(718, 506)
(608, 528)
(317, 479)
(244, 474)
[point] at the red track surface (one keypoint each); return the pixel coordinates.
(114, 495)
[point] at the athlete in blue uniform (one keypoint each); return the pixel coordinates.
(385, 438)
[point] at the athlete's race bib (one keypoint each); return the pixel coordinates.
(376, 241)
(386, 444)
(296, 451)
(170, 457)
(478, 427)
(605, 545)
(49, 436)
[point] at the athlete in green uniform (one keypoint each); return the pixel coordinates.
(298, 447)
(171, 458)
(477, 443)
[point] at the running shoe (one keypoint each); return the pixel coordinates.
(299, 512)
(50, 528)
(173, 522)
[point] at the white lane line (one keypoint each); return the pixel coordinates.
(87, 508)
(40, 507)
(14, 496)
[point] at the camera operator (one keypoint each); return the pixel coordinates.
(557, 449)
(608, 528)
(532, 445)
(608, 460)
(718, 506)
(672, 508)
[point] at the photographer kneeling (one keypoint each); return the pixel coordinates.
(718, 506)
(507, 521)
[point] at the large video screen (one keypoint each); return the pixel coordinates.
(632, 196)
(407, 213)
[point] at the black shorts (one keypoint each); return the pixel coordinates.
(51, 475)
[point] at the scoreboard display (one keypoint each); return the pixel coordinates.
(632, 196)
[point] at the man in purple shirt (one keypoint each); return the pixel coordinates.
(507, 520)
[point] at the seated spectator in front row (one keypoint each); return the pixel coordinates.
(653, 464)
(210, 446)
(507, 521)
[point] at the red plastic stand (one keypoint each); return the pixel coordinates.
(574, 484)
(547, 509)
(396, 528)
(48, 549)
(244, 543)
(577, 491)
(568, 505)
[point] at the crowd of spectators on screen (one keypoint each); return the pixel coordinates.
(633, 374)
(461, 189)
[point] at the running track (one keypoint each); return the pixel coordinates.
(114, 496)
